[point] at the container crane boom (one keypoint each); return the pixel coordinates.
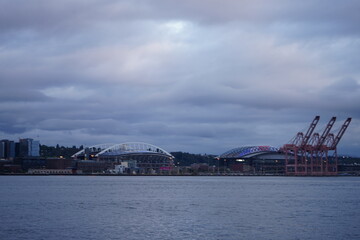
(309, 131)
(325, 133)
(340, 134)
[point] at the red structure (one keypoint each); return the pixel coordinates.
(312, 154)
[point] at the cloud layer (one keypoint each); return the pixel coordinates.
(197, 76)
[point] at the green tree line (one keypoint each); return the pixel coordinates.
(58, 151)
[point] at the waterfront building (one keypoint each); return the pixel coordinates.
(59, 163)
(92, 166)
(27, 163)
(28, 147)
(51, 171)
(2, 150)
(7, 149)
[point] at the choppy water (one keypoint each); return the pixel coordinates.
(95, 207)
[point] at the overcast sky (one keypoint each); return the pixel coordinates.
(200, 76)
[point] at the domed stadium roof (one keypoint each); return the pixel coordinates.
(248, 151)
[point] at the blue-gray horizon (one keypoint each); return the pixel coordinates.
(194, 76)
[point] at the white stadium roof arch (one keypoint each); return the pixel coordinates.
(132, 147)
(97, 147)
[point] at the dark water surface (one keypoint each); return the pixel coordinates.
(96, 207)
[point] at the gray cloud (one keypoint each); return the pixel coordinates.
(183, 75)
(329, 16)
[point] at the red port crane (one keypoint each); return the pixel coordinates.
(309, 131)
(318, 151)
(295, 153)
(340, 134)
(325, 133)
(311, 154)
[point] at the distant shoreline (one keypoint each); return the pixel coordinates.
(168, 175)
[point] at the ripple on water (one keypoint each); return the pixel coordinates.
(179, 208)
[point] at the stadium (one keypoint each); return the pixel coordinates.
(253, 160)
(137, 156)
